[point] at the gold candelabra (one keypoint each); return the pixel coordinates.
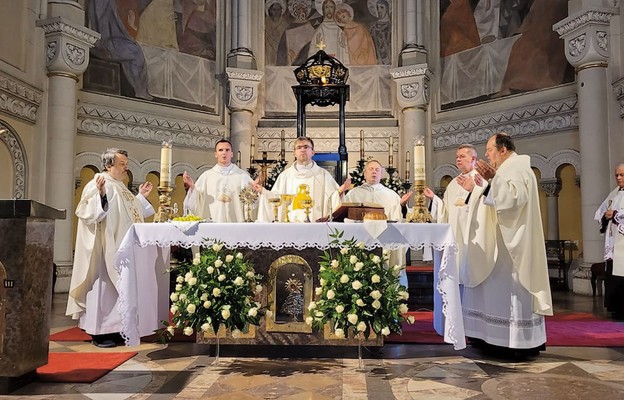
(165, 211)
(419, 213)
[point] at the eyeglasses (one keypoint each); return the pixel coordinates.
(303, 146)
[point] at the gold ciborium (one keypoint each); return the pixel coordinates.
(276, 202)
(286, 200)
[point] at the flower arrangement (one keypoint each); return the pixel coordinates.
(394, 182)
(359, 292)
(278, 168)
(217, 288)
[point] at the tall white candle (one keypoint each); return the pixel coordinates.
(419, 162)
(165, 164)
(390, 153)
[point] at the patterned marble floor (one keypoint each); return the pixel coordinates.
(185, 371)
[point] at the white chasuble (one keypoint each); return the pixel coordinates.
(378, 194)
(93, 289)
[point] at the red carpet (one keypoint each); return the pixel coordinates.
(74, 334)
(80, 367)
(564, 329)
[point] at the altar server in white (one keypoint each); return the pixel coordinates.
(461, 206)
(507, 309)
(324, 190)
(610, 215)
(215, 195)
(106, 211)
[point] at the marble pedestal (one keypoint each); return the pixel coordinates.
(26, 268)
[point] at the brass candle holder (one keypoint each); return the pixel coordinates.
(165, 211)
(419, 213)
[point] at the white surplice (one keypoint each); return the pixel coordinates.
(614, 235)
(462, 210)
(507, 309)
(323, 190)
(93, 292)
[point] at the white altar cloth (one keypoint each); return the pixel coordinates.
(143, 258)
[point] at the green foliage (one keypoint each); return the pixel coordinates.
(359, 292)
(394, 182)
(217, 288)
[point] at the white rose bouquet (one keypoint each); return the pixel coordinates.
(358, 292)
(218, 287)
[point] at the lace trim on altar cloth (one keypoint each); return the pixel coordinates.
(445, 277)
(296, 245)
(129, 321)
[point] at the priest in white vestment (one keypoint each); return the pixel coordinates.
(610, 215)
(106, 211)
(372, 191)
(325, 192)
(216, 194)
(461, 206)
(507, 309)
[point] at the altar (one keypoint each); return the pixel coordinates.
(143, 261)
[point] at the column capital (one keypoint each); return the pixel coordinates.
(243, 88)
(586, 36)
(413, 85)
(618, 88)
(67, 46)
(551, 187)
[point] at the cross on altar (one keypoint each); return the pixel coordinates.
(321, 45)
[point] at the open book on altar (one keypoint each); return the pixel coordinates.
(355, 211)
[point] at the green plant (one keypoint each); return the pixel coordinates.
(217, 288)
(358, 291)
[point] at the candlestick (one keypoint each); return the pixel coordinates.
(419, 213)
(165, 163)
(407, 165)
(362, 144)
(283, 145)
(390, 153)
(252, 150)
(238, 159)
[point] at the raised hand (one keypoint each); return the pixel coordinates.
(346, 185)
(466, 182)
(146, 188)
(405, 198)
(188, 180)
(485, 170)
(99, 183)
(428, 193)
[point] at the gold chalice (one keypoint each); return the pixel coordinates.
(307, 204)
(286, 200)
(276, 202)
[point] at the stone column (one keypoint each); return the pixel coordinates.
(586, 33)
(413, 52)
(552, 187)
(413, 98)
(67, 56)
(240, 55)
(242, 101)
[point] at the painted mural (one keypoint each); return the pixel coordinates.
(165, 50)
(494, 48)
(356, 32)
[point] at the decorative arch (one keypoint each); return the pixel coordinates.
(18, 157)
(549, 167)
(442, 171)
